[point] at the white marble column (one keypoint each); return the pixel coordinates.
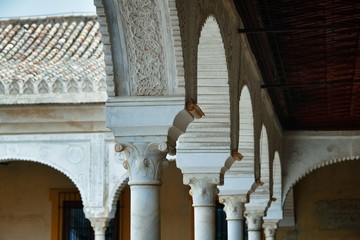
(99, 225)
(234, 209)
(144, 162)
(203, 191)
(254, 221)
(270, 229)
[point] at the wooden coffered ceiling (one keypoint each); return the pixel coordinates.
(309, 56)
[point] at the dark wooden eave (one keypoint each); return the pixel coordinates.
(308, 53)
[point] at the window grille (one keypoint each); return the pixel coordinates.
(221, 224)
(73, 223)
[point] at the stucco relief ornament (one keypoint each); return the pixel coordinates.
(295, 156)
(74, 154)
(12, 150)
(145, 45)
(44, 152)
(333, 150)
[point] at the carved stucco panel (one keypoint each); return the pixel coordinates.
(145, 44)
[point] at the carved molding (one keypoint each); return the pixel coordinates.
(53, 90)
(203, 188)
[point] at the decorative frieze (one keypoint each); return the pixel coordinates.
(65, 65)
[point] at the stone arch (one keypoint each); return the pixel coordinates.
(195, 14)
(13, 155)
(210, 132)
(243, 170)
(324, 164)
(118, 179)
(264, 158)
(246, 133)
(37, 161)
(306, 152)
(260, 197)
(72, 155)
(275, 209)
(239, 179)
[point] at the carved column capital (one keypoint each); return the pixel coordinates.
(234, 206)
(203, 188)
(144, 161)
(99, 225)
(270, 229)
(254, 219)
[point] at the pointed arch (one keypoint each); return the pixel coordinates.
(264, 157)
(260, 198)
(4, 159)
(211, 133)
(246, 134)
(275, 211)
(240, 177)
(70, 154)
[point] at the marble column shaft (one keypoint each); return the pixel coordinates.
(254, 221)
(234, 209)
(270, 229)
(99, 225)
(203, 191)
(144, 162)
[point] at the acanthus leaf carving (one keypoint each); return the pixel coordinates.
(203, 188)
(143, 161)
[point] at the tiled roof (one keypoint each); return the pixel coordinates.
(51, 60)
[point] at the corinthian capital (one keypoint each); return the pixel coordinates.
(254, 219)
(203, 188)
(270, 228)
(234, 206)
(143, 161)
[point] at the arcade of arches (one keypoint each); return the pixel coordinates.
(131, 110)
